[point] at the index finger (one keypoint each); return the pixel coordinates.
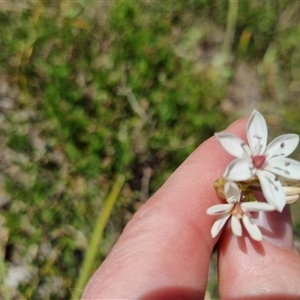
(165, 249)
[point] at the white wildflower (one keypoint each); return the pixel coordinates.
(237, 210)
(266, 162)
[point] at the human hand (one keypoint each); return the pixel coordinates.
(164, 251)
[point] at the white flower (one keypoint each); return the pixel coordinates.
(258, 159)
(237, 210)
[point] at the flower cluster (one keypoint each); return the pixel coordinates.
(256, 167)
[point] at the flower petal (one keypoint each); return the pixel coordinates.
(272, 189)
(257, 206)
(219, 224)
(257, 133)
(236, 226)
(285, 167)
(233, 144)
(288, 182)
(252, 228)
(239, 169)
(219, 209)
(283, 145)
(232, 192)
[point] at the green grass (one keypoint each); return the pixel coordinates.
(97, 89)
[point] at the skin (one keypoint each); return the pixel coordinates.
(164, 251)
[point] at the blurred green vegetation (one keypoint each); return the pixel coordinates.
(92, 90)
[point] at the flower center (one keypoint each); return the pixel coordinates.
(258, 161)
(237, 211)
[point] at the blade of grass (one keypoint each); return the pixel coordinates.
(4, 288)
(230, 29)
(96, 237)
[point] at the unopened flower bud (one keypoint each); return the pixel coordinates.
(291, 199)
(292, 193)
(219, 187)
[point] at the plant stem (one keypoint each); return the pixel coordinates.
(89, 261)
(230, 29)
(4, 289)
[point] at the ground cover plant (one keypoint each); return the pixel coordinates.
(100, 96)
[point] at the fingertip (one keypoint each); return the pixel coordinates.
(261, 270)
(238, 127)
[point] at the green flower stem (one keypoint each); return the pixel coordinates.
(230, 29)
(89, 261)
(4, 290)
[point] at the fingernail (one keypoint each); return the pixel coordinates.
(277, 228)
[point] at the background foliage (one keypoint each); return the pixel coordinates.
(93, 90)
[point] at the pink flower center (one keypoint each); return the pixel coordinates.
(258, 161)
